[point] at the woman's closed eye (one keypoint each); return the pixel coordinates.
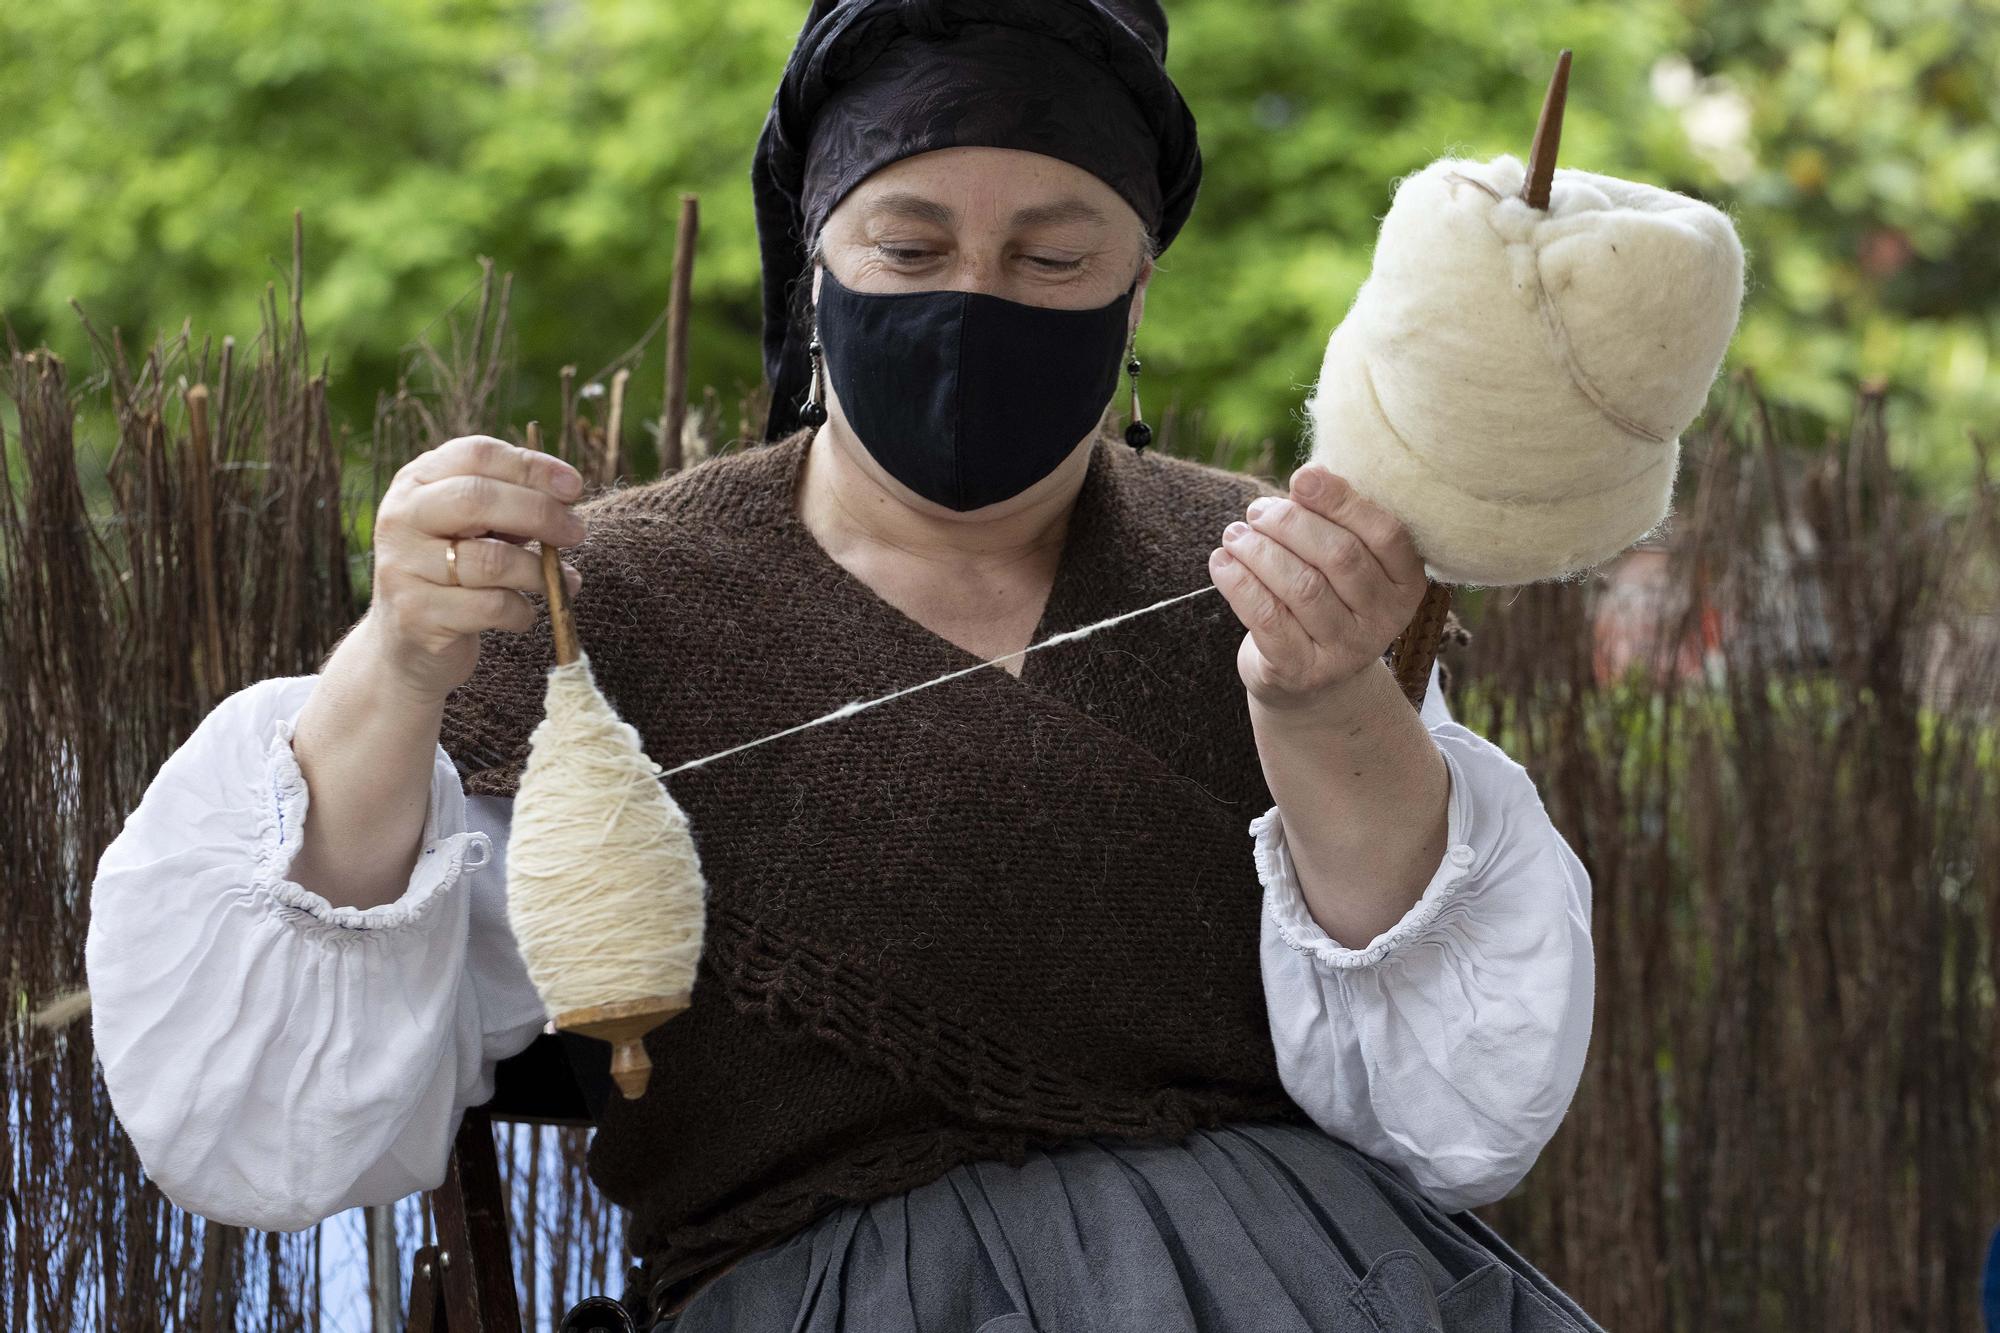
(912, 256)
(904, 254)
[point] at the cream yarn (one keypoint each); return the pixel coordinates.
(604, 889)
(1512, 382)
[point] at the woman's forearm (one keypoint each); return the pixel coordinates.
(1363, 792)
(366, 743)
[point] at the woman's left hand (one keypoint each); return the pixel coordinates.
(1323, 581)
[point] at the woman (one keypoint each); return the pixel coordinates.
(1003, 1022)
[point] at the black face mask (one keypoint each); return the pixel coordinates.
(966, 398)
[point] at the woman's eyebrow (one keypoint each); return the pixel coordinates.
(901, 203)
(1062, 210)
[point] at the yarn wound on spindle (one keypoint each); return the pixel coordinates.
(1512, 382)
(604, 888)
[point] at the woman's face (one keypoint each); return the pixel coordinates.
(1014, 224)
(1018, 225)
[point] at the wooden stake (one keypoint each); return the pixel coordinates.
(566, 441)
(615, 428)
(208, 591)
(673, 413)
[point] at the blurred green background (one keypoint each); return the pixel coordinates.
(151, 155)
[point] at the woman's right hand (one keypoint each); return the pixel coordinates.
(492, 497)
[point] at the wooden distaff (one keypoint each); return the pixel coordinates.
(1416, 648)
(626, 1023)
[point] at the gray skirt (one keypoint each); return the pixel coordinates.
(1248, 1228)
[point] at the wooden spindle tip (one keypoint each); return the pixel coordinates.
(625, 1026)
(1548, 137)
(631, 1068)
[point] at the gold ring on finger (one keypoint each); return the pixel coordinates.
(451, 562)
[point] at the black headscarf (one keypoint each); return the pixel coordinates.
(872, 81)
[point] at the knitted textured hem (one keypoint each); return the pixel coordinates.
(1001, 1100)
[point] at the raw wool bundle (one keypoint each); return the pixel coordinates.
(1512, 381)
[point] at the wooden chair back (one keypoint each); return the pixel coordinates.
(465, 1282)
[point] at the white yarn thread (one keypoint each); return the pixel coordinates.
(850, 709)
(1512, 382)
(604, 889)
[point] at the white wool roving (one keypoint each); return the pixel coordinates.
(605, 894)
(1512, 382)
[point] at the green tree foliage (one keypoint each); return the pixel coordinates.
(150, 157)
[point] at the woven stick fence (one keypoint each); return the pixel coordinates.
(1789, 1115)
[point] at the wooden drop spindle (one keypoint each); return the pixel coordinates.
(623, 1024)
(561, 625)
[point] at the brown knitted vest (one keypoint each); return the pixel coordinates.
(998, 913)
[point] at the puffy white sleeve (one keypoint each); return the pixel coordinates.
(1449, 1046)
(276, 1059)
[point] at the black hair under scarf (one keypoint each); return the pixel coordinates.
(870, 82)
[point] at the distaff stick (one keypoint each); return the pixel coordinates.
(1416, 648)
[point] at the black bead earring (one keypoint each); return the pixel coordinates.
(814, 412)
(1137, 433)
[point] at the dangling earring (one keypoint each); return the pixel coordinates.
(1137, 433)
(814, 412)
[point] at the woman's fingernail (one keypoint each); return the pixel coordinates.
(1236, 532)
(568, 483)
(1261, 506)
(1306, 482)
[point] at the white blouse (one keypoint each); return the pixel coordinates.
(277, 1060)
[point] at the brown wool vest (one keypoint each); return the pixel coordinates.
(997, 913)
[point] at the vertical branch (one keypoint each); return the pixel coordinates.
(614, 431)
(673, 413)
(200, 472)
(566, 445)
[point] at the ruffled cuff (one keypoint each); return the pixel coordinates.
(1286, 904)
(448, 846)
